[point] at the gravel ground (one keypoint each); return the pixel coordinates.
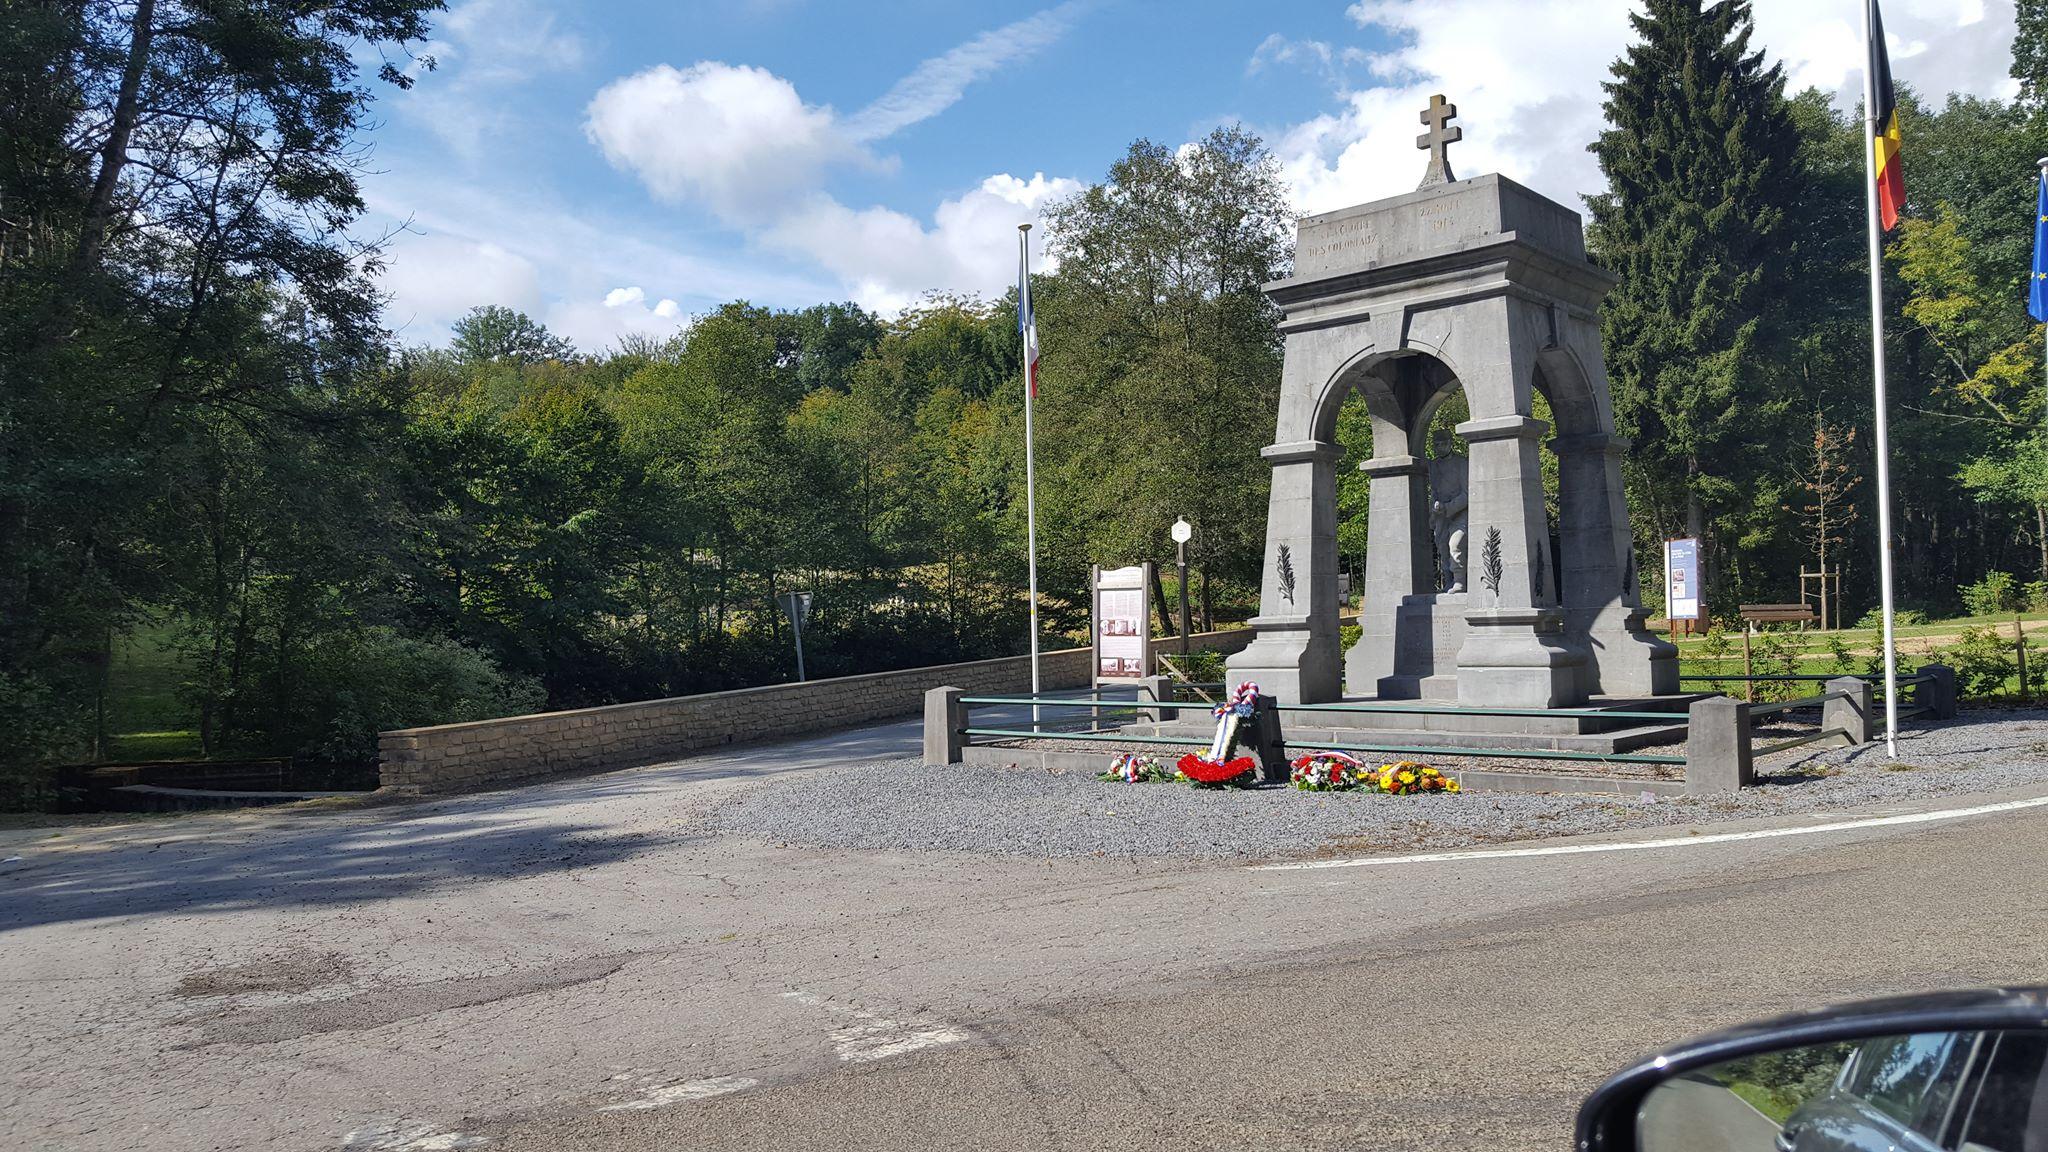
(905, 805)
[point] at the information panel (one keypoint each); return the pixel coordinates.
(1684, 593)
(1123, 625)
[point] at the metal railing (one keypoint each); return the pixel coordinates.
(1152, 709)
(1038, 733)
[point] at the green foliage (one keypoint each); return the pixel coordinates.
(492, 332)
(1984, 661)
(2030, 53)
(1901, 618)
(353, 685)
(1201, 666)
(1703, 224)
(1997, 592)
(1777, 1083)
(1778, 652)
(1163, 378)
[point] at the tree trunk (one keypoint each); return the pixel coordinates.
(1166, 625)
(2041, 535)
(99, 211)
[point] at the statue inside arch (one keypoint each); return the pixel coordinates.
(1447, 502)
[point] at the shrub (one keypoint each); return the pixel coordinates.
(354, 685)
(1903, 618)
(1778, 653)
(37, 731)
(2037, 596)
(1202, 666)
(1996, 593)
(1983, 661)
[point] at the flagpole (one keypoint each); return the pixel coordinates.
(1030, 470)
(1883, 424)
(2042, 163)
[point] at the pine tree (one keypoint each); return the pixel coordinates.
(1702, 159)
(2030, 53)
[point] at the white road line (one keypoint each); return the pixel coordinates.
(1668, 842)
(668, 1094)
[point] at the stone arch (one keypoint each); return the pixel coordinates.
(1402, 388)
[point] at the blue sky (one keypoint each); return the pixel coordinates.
(621, 167)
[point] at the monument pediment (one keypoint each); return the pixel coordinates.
(1430, 222)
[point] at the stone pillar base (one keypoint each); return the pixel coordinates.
(1287, 662)
(1625, 658)
(1518, 658)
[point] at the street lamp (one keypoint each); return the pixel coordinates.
(1182, 533)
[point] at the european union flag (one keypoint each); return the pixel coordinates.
(2037, 295)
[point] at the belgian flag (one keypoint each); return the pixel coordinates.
(1891, 173)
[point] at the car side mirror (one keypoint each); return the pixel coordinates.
(1966, 1071)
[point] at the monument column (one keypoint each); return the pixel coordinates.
(1602, 590)
(1293, 654)
(1515, 653)
(1397, 564)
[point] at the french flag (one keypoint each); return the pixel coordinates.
(1027, 324)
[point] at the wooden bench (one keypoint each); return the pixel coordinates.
(1800, 614)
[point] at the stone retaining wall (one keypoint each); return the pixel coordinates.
(493, 753)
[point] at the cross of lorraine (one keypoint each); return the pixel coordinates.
(1438, 140)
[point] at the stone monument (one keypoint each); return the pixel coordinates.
(1480, 285)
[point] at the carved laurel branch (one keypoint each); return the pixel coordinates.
(1285, 567)
(1491, 566)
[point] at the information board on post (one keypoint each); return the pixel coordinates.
(1684, 592)
(1122, 624)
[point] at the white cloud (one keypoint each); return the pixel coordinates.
(433, 279)
(481, 50)
(1317, 56)
(744, 143)
(739, 139)
(467, 245)
(623, 312)
(1526, 76)
(890, 259)
(938, 83)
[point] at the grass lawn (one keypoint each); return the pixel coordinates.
(146, 720)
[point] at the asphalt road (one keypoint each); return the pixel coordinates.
(574, 966)
(1694, 1114)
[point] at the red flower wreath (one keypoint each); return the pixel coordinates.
(1203, 771)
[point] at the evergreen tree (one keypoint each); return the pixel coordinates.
(2030, 53)
(1703, 162)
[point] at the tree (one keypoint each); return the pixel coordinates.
(176, 184)
(1828, 481)
(1162, 357)
(493, 332)
(2030, 53)
(1704, 166)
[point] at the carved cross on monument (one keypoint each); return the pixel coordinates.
(1437, 140)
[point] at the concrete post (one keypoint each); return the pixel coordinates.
(944, 717)
(1938, 695)
(1851, 714)
(1717, 747)
(1157, 688)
